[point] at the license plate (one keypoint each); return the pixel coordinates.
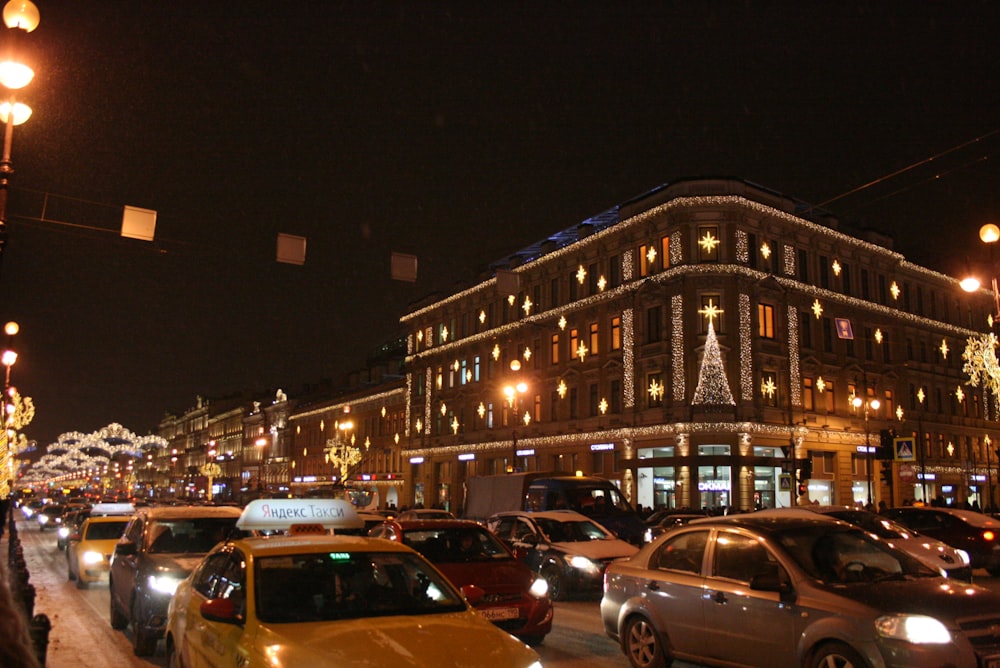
(498, 614)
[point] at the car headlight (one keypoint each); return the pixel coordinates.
(43, 519)
(964, 556)
(539, 588)
(165, 584)
(582, 563)
(63, 532)
(90, 557)
(917, 629)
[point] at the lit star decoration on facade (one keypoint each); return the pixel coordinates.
(894, 290)
(711, 311)
(651, 255)
(482, 317)
(603, 406)
(418, 426)
(561, 388)
(878, 336)
(959, 394)
(821, 385)
(921, 396)
(768, 388)
(656, 390)
(526, 419)
(899, 413)
(708, 242)
(444, 334)
(526, 306)
(765, 250)
(527, 353)
(454, 425)
(817, 309)
(496, 351)
(944, 349)
(602, 283)
(581, 351)
(836, 267)
(951, 449)
(562, 322)
(444, 408)
(481, 410)
(581, 275)
(511, 299)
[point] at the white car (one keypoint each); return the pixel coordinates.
(955, 563)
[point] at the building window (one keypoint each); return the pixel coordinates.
(829, 398)
(654, 390)
(574, 344)
(664, 252)
(708, 243)
(808, 396)
(803, 266)
(643, 261)
(765, 321)
(614, 271)
(824, 272)
(711, 311)
(594, 338)
(616, 333)
(616, 396)
(574, 285)
(827, 335)
(805, 329)
(592, 278)
(574, 400)
(653, 327)
(593, 399)
(554, 348)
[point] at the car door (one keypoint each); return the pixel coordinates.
(672, 587)
(125, 566)
(209, 643)
(743, 626)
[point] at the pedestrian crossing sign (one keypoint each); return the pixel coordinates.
(903, 449)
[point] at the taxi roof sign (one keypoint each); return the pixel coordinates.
(112, 509)
(283, 514)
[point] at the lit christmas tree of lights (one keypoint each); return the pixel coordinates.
(713, 388)
(981, 364)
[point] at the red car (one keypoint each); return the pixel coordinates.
(513, 598)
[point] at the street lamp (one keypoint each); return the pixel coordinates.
(514, 394)
(8, 358)
(873, 405)
(20, 17)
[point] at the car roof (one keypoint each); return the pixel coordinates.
(183, 512)
(278, 545)
(437, 524)
(970, 516)
(767, 522)
(558, 515)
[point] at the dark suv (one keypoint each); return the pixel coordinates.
(159, 548)
(977, 534)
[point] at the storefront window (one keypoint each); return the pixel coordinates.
(714, 484)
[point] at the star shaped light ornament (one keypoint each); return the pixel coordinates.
(454, 425)
(444, 334)
(817, 309)
(656, 390)
(894, 289)
(921, 395)
(899, 413)
(526, 306)
(944, 348)
(481, 410)
(765, 250)
(496, 351)
(581, 275)
(836, 268)
(711, 311)
(651, 255)
(527, 353)
(482, 317)
(511, 299)
(602, 283)
(526, 419)
(562, 322)
(561, 388)
(821, 385)
(960, 394)
(603, 406)
(708, 242)
(582, 351)
(878, 336)
(767, 387)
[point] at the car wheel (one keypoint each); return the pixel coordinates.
(643, 645)
(143, 644)
(837, 655)
(555, 581)
(69, 574)
(119, 620)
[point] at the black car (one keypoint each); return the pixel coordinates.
(976, 533)
(70, 523)
(159, 548)
(50, 516)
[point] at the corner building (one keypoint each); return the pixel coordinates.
(710, 343)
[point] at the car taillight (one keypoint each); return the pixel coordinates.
(989, 535)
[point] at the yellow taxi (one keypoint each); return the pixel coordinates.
(308, 597)
(89, 549)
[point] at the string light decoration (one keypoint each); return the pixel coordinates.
(74, 452)
(794, 373)
(981, 363)
(677, 347)
(627, 266)
(746, 348)
(428, 407)
(713, 387)
(789, 260)
(742, 246)
(628, 358)
(676, 249)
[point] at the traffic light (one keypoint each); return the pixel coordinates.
(887, 448)
(802, 489)
(887, 473)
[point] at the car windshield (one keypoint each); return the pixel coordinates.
(570, 531)
(839, 555)
(194, 535)
(597, 501)
(455, 544)
(105, 530)
(349, 585)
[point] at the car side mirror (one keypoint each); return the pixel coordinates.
(220, 610)
(125, 548)
(775, 580)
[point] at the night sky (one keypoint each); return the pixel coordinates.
(454, 131)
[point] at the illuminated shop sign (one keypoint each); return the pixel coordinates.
(598, 447)
(867, 449)
(526, 453)
(466, 457)
(713, 486)
(416, 460)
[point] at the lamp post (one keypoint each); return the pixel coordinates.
(514, 393)
(20, 17)
(870, 405)
(9, 358)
